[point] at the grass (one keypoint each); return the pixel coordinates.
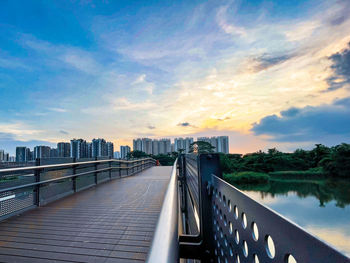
(7, 178)
(247, 178)
(308, 174)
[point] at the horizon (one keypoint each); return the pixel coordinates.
(117, 146)
(268, 74)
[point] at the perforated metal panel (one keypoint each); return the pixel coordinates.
(246, 231)
(192, 178)
(53, 191)
(13, 201)
(85, 181)
(102, 176)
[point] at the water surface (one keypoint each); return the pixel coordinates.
(322, 207)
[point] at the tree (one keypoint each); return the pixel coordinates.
(337, 163)
(201, 147)
(136, 154)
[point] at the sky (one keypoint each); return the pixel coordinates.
(265, 73)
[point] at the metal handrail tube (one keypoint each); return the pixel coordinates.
(31, 168)
(165, 244)
(64, 178)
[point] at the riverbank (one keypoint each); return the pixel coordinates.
(250, 177)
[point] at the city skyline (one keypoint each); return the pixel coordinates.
(266, 73)
(95, 149)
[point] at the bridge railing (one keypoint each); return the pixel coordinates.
(216, 222)
(25, 188)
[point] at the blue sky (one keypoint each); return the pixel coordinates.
(126, 69)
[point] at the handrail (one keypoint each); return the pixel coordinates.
(165, 245)
(29, 168)
(65, 177)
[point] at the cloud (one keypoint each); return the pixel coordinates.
(310, 123)
(9, 143)
(64, 132)
(341, 69)
(140, 79)
(13, 63)
(125, 104)
(185, 124)
(266, 61)
(80, 61)
(58, 109)
(228, 28)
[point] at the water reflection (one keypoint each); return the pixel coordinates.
(325, 191)
(322, 206)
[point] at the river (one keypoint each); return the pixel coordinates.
(322, 207)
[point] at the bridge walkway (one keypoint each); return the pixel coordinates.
(112, 222)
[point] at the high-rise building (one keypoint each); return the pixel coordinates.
(53, 153)
(117, 155)
(220, 143)
(124, 150)
(78, 148)
(63, 149)
(89, 149)
(7, 157)
(99, 148)
(147, 145)
(223, 144)
(41, 151)
(204, 139)
(137, 145)
(2, 155)
(182, 144)
(155, 147)
(164, 146)
(214, 143)
(110, 149)
(21, 154)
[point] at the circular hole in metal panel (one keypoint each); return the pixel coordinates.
(231, 227)
(236, 236)
(245, 248)
(225, 241)
(270, 246)
(255, 231)
(290, 259)
(229, 206)
(235, 212)
(244, 220)
(256, 259)
(238, 259)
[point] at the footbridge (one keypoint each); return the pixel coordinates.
(134, 211)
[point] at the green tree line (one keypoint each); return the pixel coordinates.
(332, 161)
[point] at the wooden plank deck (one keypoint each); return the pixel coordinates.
(112, 222)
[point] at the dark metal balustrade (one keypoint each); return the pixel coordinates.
(215, 222)
(25, 188)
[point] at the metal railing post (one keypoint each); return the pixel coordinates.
(95, 165)
(37, 179)
(110, 168)
(208, 165)
(74, 178)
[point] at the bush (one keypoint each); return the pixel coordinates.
(312, 172)
(247, 178)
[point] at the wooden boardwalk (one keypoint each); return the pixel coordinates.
(112, 222)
